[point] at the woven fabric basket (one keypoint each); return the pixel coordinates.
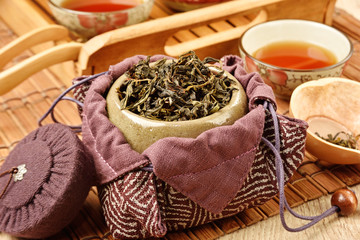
(193, 181)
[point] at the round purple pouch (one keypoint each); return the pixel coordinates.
(51, 180)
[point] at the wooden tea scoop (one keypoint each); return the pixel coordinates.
(61, 53)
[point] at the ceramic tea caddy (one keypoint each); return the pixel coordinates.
(141, 132)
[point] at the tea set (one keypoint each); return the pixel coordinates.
(318, 95)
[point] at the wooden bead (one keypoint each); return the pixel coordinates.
(346, 200)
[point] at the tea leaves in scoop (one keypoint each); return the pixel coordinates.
(348, 142)
(173, 90)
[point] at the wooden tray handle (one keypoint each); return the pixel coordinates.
(13, 76)
(216, 38)
(30, 39)
(151, 37)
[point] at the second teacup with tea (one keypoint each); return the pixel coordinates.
(290, 52)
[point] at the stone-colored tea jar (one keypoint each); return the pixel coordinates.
(141, 132)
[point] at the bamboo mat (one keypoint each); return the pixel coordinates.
(22, 107)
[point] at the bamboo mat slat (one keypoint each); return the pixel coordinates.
(307, 189)
(21, 108)
(270, 208)
(227, 225)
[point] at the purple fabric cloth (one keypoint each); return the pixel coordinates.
(57, 181)
(113, 156)
(209, 169)
(253, 84)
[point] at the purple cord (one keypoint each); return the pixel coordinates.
(280, 180)
(63, 97)
(148, 168)
(74, 128)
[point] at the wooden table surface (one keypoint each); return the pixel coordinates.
(333, 227)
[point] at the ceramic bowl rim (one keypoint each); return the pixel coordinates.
(235, 95)
(76, 12)
(339, 63)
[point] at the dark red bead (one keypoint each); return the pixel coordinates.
(346, 200)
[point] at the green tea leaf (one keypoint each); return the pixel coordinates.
(179, 90)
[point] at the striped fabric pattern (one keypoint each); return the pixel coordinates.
(140, 205)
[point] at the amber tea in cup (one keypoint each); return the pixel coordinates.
(295, 55)
(98, 5)
(281, 40)
(88, 18)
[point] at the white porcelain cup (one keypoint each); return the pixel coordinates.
(285, 80)
(89, 24)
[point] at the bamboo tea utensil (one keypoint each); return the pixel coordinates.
(61, 53)
(330, 106)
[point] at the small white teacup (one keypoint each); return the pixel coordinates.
(284, 80)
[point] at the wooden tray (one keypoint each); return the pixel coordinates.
(211, 31)
(23, 106)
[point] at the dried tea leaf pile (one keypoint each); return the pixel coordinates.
(179, 90)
